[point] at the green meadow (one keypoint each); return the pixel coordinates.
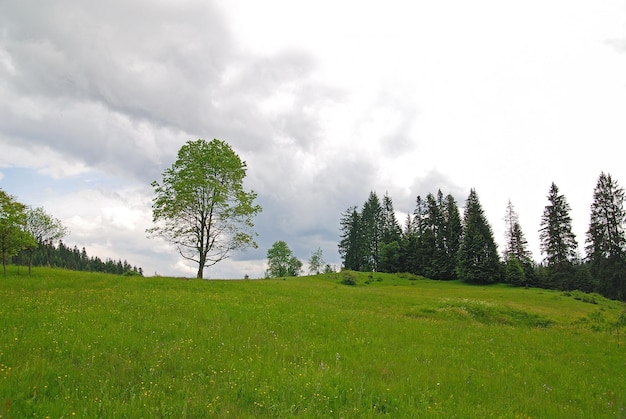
(75, 344)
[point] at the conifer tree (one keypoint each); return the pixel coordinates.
(606, 239)
(517, 257)
(557, 241)
(390, 251)
(452, 231)
(408, 247)
(391, 230)
(351, 245)
(371, 224)
(478, 254)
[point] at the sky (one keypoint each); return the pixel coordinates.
(325, 101)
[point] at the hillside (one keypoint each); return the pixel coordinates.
(88, 345)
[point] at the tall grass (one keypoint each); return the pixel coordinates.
(85, 345)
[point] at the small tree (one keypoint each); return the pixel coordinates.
(281, 261)
(517, 257)
(316, 262)
(44, 229)
(201, 205)
(13, 234)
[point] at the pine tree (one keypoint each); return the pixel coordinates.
(452, 231)
(351, 247)
(517, 257)
(478, 254)
(557, 241)
(606, 239)
(408, 247)
(389, 252)
(371, 223)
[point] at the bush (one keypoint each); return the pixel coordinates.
(349, 278)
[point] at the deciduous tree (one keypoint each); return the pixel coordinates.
(13, 234)
(281, 261)
(316, 262)
(44, 228)
(201, 205)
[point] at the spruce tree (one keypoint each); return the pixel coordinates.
(430, 239)
(372, 225)
(419, 248)
(557, 241)
(452, 233)
(408, 247)
(606, 239)
(390, 249)
(517, 257)
(351, 246)
(478, 255)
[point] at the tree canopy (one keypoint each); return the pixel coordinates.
(281, 261)
(13, 234)
(201, 206)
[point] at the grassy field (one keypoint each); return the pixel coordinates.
(89, 345)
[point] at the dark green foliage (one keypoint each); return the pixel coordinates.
(390, 257)
(372, 230)
(367, 237)
(478, 256)
(514, 272)
(351, 246)
(428, 245)
(432, 237)
(606, 239)
(63, 256)
(557, 240)
(451, 233)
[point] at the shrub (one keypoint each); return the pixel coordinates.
(349, 278)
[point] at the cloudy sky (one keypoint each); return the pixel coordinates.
(324, 100)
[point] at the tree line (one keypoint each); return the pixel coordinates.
(28, 236)
(438, 242)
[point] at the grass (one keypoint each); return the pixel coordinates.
(88, 345)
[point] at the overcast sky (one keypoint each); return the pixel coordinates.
(324, 100)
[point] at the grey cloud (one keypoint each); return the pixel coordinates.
(140, 87)
(431, 182)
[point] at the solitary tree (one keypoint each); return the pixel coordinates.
(478, 254)
(44, 228)
(281, 261)
(13, 234)
(557, 241)
(316, 262)
(201, 206)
